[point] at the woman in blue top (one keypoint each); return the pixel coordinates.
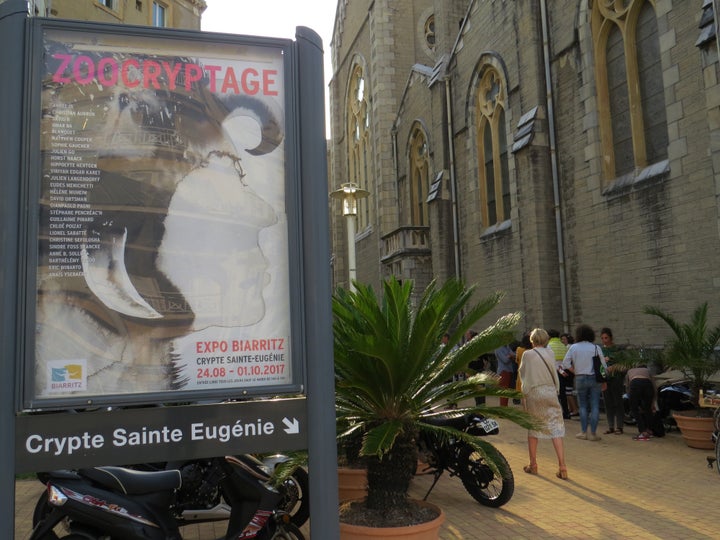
(579, 357)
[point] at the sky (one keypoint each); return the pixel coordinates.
(273, 18)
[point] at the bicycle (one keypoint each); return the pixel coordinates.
(716, 438)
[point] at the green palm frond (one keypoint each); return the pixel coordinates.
(379, 439)
(285, 469)
(692, 349)
(392, 373)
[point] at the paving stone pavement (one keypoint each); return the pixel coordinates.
(618, 488)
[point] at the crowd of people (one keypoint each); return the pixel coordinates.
(562, 376)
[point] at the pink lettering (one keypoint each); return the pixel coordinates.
(212, 71)
(193, 73)
(107, 71)
(65, 60)
(151, 71)
(230, 82)
(172, 73)
(250, 86)
(155, 74)
(269, 82)
(89, 75)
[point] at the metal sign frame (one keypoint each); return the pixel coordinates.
(22, 425)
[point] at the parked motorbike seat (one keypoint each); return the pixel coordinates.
(131, 482)
(62, 474)
(459, 422)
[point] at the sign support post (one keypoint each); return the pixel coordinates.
(322, 449)
(12, 34)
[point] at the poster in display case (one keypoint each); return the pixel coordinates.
(163, 235)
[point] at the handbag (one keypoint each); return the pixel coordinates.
(599, 368)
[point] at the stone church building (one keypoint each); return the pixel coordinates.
(563, 151)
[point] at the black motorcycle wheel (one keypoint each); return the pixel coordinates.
(288, 532)
(42, 509)
(479, 480)
(296, 497)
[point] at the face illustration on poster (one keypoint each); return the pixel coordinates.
(230, 296)
(187, 244)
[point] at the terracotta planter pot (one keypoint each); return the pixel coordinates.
(697, 431)
(422, 531)
(352, 484)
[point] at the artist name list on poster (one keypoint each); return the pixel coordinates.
(71, 173)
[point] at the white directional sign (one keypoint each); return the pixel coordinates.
(292, 426)
(139, 435)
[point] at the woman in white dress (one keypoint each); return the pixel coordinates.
(540, 385)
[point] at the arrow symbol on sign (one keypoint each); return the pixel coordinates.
(293, 426)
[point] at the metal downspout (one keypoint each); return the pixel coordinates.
(716, 23)
(396, 166)
(554, 166)
(453, 186)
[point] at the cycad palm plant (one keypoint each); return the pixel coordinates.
(692, 349)
(392, 373)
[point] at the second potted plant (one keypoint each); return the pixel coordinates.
(692, 351)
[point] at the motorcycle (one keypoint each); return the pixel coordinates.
(117, 502)
(460, 459)
(671, 396)
(674, 396)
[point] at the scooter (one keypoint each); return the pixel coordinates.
(200, 498)
(116, 502)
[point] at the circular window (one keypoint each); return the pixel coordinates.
(430, 32)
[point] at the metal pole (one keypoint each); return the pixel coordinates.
(554, 168)
(322, 448)
(352, 270)
(453, 180)
(348, 194)
(13, 15)
(716, 24)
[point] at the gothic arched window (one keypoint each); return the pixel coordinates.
(358, 137)
(419, 175)
(494, 175)
(631, 100)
